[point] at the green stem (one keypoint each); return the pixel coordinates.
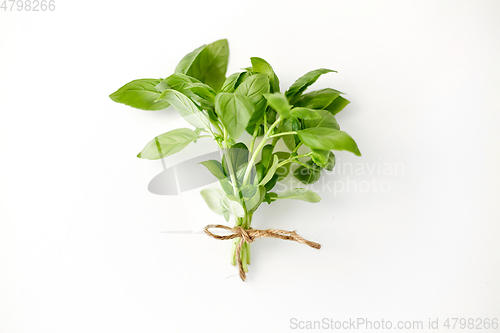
(281, 134)
(256, 152)
(297, 147)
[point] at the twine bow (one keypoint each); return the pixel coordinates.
(249, 235)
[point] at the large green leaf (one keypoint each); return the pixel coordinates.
(186, 108)
(279, 103)
(141, 94)
(328, 139)
(300, 194)
(306, 113)
(259, 65)
(234, 111)
(168, 144)
(207, 63)
(299, 86)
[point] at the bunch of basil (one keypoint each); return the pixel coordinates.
(223, 108)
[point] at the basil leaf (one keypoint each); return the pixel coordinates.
(229, 83)
(299, 86)
(270, 171)
(237, 155)
(234, 111)
(215, 167)
(186, 108)
(306, 113)
(279, 103)
(168, 144)
(266, 155)
(178, 81)
(208, 63)
(330, 164)
(337, 105)
(254, 87)
(327, 120)
(320, 157)
(259, 65)
(328, 139)
(318, 99)
(232, 206)
(308, 173)
(300, 194)
(254, 202)
(212, 197)
(206, 93)
(290, 125)
(140, 94)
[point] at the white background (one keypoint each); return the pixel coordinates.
(82, 241)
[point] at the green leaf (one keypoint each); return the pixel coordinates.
(259, 65)
(204, 92)
(266, 155)
(318, 99)
(270, 171)
(140, 94)
(306, 113)
(186, 62)
(290, 125)
(308, 173)
(270, 197)
(254, 87)
(215, 167)
(300, 194)
(254, 202)
(178, 81)
(229, 83)
(234, 111)
(212, 197)
(168, 144)
(320, 157)
(236, 155)
(337, 105)
(279, 103)
(328, 139)
(299, 86)
(232, 206)
(207, 63)
(327, 120)
(331, 162)
(186, 108)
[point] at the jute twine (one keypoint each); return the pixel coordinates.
(249, 235)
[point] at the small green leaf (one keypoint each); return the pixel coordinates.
(141, 94)
(254, 87)
(279, 103)
(168, 144)
(328, 139)
(254, 202)
(236, 155)
(186, 108)
(290, 125)
(266, 155)
(215, 167)
(320, 157)
(234, 111)
(229, 84)
(212, 197)
(204, 92)
(331, 162)
(259, 65)
(232, 206)
(299, 86)
(308, 173)
(283, 170)
(300, 194)
(270, 171)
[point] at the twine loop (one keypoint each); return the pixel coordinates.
(249, 235)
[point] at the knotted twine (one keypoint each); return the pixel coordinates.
(249, 235)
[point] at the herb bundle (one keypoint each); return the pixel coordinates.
(223, 109)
